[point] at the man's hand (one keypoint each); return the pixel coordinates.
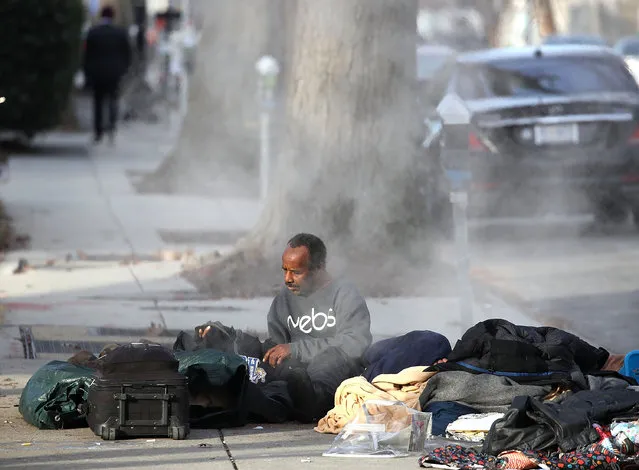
(203, 332)
(277, 354)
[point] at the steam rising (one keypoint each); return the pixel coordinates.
(217, 156)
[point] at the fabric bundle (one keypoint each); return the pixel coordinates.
(405, 386)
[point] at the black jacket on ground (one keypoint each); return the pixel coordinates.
(531, 424)
(107, 55)
(542, 355)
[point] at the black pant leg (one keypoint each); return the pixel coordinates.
(313, 388)
(98, 105)
(327, 371)
(112, 102)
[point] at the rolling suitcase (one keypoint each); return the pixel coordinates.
(138, 392)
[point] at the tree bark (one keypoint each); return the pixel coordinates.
(545, 17)
(218, 146)
(352, 140)
(494, 19)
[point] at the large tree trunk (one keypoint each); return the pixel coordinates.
(218, 148)
(353, 134)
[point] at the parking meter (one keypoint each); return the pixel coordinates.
(456, 122)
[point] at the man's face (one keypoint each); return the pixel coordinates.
(297, 276)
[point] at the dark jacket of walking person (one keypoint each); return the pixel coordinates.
(107, 58)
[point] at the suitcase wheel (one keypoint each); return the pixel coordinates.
(109, 434)
(178, 432)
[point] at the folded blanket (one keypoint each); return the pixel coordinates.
(485, 392)
(405, 386)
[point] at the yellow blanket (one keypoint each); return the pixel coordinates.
(405, 386)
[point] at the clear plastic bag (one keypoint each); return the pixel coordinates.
(383, 429)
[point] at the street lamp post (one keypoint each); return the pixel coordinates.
(268, 70)
(456, 122)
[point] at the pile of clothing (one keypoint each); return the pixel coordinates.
(516, 397)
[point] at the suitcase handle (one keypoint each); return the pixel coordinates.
(165, 398)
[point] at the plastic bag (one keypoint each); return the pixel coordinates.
(382, 429)
(55, 395)
(472, 427)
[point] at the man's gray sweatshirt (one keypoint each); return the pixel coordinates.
(335, 315)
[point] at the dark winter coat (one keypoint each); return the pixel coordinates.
(531, 424)
(542, 355)
(107, 55)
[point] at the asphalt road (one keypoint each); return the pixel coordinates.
(564, 276)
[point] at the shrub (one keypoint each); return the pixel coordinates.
(40, 44)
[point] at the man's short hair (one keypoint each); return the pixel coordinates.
(107, 12)
(315, 246)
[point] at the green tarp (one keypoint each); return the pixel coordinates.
(219, 367)
(223, 378)
(55, 395)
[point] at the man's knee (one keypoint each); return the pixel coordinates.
(331, 367)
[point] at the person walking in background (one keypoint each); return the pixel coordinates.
(107, 58)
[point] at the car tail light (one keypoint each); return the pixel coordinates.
(475, 143)
(634, 138)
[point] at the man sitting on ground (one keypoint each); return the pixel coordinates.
(321, 322)
(318, 326)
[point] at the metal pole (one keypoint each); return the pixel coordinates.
(265, 149)
(186, 11)
(184, 92)
(457, 124)
(267, 69)
(459, 200)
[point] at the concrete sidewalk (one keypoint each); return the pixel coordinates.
(68, 195)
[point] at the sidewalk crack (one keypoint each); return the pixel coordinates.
(227, 449)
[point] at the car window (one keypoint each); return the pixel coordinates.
(549, 76)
